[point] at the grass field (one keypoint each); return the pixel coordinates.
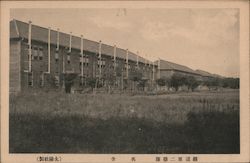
(198, 122)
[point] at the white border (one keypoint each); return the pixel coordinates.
(244, 77)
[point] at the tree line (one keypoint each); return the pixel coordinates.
(175, 81)
(178, 80)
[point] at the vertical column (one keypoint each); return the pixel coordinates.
(29, 43)
(69, 51)
(49, 50)
(82, 59)
(145, 66)
(100, 58)
(159, 68)
(137, 60)
(149, 69)
(153, 70)
(63, 63)
(57, 40)
(70, 40)
(57, 53)
(127, 64)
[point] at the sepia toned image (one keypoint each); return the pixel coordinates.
(125, 80)
(69, 93)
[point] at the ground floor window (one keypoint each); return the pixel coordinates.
(57, 80)
(68, 58)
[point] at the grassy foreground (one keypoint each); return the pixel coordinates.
(206, 122)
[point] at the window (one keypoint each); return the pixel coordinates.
(40, 53)
(98, 63)
(26, 48)
(35, 53)
(30, 79)
(57, 80)
(31, 52)
(86, 61)
(101, 63)
(41, 82)
(68, 58)
(56, 56)
(80, 66)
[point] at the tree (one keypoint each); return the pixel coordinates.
(231, 83)
(161, 82)
(177, 80)
(213, 82)
(142, 83)
(191, 82)
(68, 81)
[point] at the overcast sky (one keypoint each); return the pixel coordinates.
(206, 39)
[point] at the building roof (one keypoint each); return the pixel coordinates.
(19, 29)
(204, 73)
(166, 65)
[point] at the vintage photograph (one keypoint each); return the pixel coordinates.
(124, 81)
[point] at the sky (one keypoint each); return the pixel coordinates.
(206, 39)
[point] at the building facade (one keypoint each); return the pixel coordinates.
(45, 58)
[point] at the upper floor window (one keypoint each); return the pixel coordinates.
(101, 63)
(35, 53)
(56, 56)
(84, 60)
(40, 54)
(30, 79)
(31, 52)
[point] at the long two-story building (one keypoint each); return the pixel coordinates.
(41, 57)
(45, 58)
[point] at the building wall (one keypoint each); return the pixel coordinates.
(61, 61)
(166, 73)
(15, 69)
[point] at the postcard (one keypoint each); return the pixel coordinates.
(124, 81)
